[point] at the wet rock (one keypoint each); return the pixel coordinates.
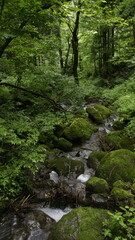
(98, 199)
(36, 219)
(64, 166)
(98, 112)
(97, 185)
(80, 224)
(117, 165)
(32, 225)
(79, 130)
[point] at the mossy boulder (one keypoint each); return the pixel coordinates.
(81, 114)
(121, 194)
(80, 224)
(122, 185)
(79, 130)
(97, 185)
(47, 138)
(64, 144)
(98, 113)
(117, 139)
(65, 165)
(117, 165)
(94, 159)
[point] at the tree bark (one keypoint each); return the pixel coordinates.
(75, 48)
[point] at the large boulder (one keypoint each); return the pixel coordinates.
(121, 194)
(79, 130)
(117, 165)
(98, 113)
(65, 165)
(64, 144)
(117, 139)
(97, 185)
(80, 224)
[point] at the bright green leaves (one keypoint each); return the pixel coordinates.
(120, 225)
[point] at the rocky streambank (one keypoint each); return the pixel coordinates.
(90, 166)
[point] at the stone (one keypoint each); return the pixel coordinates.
(122, 185)
(121, 194)
(97, 185)
(79, 130)
(117, 165)
(64, 166)
(118, 139)
(98, 113)
(64, 144)
(84, 223)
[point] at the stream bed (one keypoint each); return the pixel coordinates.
(36, 223)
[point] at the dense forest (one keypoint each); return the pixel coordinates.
(56, 57)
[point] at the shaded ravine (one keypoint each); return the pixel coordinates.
(27, 225)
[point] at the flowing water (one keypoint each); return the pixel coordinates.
(12, 227)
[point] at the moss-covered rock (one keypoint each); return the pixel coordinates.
(80, 129)
(122, 185)
(80, 224)
(94, 159)
(121, 194)
(47, 138)
(97, 185)
(117, 165)
(98, 112)
(64, 144)
(65, 165)
(117, 139)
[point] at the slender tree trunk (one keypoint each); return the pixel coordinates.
(75, 48)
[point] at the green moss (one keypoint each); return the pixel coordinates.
(80, 224)
(64, 144)
(121, 184)
(65, 165)
(80, 129)
(121, 194)
(97, 185)
(81, 114)
(98, 112)
(94, 159)
(47, 138)
(117, 139)
(117, 165)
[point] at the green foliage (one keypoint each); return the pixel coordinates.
(121, 224)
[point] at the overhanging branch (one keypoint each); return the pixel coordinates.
(50, 100)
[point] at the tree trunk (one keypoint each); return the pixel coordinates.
(75, 48)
